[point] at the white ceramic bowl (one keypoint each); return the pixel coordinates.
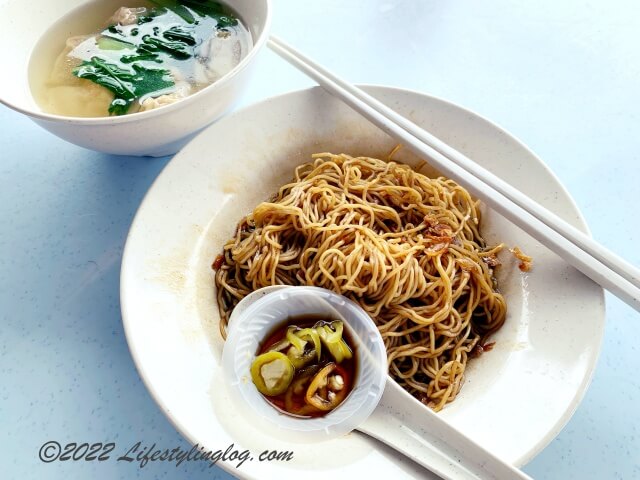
(156, 132)
(515, 399)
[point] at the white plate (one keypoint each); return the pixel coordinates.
(515, 398)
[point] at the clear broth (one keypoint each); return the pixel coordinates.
(57, 90)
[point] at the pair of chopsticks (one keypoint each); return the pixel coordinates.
(576, 248)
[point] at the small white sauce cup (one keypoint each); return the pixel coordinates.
(254, 323)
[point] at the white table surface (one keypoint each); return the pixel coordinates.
(563, 76)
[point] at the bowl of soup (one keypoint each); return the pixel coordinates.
(140, 77)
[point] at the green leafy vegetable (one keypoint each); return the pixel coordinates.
(175, 49)
(145, 19)
(110, 43)
(179, 34)
(126, 85)
(126, 66)
(203, 8)
(141, 56)
(225, 21)
(176, 8)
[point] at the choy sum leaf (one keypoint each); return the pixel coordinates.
(176, 7)
(110, 43)
(126, 85)
(203, 8)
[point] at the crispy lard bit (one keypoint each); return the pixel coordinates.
(491, 260)
(435, 228)
(480, 349)
(487, 347)
(477, 351)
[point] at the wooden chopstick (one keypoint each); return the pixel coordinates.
(594, 260)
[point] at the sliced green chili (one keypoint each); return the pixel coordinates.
(272, 373)
(331, 336)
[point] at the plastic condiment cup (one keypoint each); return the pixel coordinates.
(252, 325)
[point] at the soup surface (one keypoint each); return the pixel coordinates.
(144, 56)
